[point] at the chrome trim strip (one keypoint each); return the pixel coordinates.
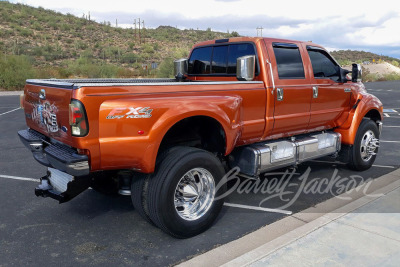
(49, 82)
(160, 84)
(272, 75)
(58, 83)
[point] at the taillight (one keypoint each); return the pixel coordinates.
(78, 119)
(21, 101)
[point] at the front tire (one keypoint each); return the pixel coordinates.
(181, 197)
(366, 144)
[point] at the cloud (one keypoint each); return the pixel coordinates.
(245, 25)
(363, 24)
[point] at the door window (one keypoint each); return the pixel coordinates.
(288, 59)
(323, 65)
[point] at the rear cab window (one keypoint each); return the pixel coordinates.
(219, 60)
(288, 60)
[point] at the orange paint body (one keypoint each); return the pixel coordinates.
(122, 136)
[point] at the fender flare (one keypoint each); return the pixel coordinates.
(349, 129)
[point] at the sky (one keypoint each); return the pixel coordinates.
(352, 24)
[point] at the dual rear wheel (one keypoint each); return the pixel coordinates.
(181, 196)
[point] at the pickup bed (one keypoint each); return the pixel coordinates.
(255, 104)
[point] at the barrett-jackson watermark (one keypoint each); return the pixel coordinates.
(288, 190)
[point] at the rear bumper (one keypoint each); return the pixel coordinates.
(57, 156)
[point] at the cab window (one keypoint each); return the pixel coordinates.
(323, 65)
(236, 51)
(288, 60)
(199, 61)
(219, 60)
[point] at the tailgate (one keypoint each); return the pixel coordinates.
(47, 111)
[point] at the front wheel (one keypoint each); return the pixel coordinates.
(182, 195)
(366, 144)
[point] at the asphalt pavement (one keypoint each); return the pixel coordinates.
(94, 229)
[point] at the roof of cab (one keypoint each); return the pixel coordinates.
(251, 39)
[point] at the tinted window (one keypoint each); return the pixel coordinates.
(323, 66)
(219, 59)
(199, 62)
(222, 57)
(288, 59)
(236, 51)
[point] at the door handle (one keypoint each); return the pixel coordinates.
(279, 94)
(315, 91)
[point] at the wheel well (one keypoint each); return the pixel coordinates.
(374, 115)
(198, 131)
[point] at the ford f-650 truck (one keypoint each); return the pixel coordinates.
(257, 104)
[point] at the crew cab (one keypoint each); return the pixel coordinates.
(256, 104)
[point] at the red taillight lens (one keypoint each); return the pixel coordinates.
(75, 115)
(78, 119)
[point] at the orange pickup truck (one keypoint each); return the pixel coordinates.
(257, 104)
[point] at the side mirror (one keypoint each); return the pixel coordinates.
(343, 75)
(356, 73)
(245, 68)
(181, 69)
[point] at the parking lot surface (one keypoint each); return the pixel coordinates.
(94, 229)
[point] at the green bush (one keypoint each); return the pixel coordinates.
(129, 58)
(15, 71)
(166, 68)
(392, 77)
(395, 63)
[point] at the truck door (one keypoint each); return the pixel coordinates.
(330, 104)
(292, 94)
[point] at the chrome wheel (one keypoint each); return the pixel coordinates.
(194, 194)
(369, 144)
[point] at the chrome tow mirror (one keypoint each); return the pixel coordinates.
(181, 69)
(245, 68)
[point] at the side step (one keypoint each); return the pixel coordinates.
(262, 157)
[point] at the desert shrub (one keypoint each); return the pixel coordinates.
(15, 71)
(395, 63)
(36, 26)
(166, 68)
(392, 76)
(129, 58)
(65, 27)
(148, 49)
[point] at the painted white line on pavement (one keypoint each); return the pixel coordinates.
(384, 166)
(287, 212)
(332, 162)
(19, 178)
(342, 163)
(9, 111)
(386, 115)
(381, 141)
(388, 126)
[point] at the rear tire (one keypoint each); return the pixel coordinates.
(139, 191)
(363, 153)
(181, 192)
